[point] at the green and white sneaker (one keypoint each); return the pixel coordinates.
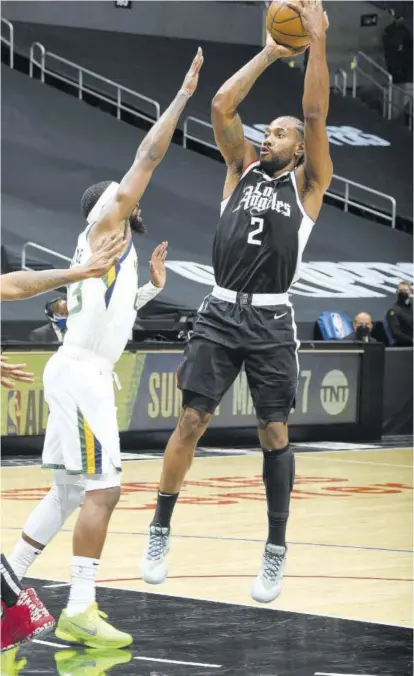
(90, 628)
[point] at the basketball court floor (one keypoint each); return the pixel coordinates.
(346, 607)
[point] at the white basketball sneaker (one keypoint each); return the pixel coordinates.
(268, 584)
(154, 567)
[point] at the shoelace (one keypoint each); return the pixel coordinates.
(272, 565)
(157, 543)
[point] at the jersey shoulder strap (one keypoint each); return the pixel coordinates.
(247, 171)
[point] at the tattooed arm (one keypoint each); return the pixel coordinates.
(28, 283)
(228, 129)
(149, 155)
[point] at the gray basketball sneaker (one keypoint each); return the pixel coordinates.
(154, 567)
(268, 584)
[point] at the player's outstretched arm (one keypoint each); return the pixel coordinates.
(237, 152)
(28, 283)
(149, 155)
(315, 175)
(158, 276)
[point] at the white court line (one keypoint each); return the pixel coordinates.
(359, 450)
(226, 457)
(261, 608)
(52, 586)
(147, 659)
(358, 462)
(191, 664)
(54, 645)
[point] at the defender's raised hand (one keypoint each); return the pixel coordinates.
(157, 265)
(191, 79)
(12, 372)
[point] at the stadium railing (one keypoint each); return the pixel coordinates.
(9, 40)
(78, 81)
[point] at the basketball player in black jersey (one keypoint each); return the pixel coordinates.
(270, 205)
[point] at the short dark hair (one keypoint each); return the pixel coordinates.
(300, 130)
(91, 196)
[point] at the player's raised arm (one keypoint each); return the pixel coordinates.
(149, 155)
(237, 152)
(315, 174)
(28, 283)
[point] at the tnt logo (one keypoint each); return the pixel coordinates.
(334, 392)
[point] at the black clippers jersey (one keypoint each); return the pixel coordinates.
(261, 234)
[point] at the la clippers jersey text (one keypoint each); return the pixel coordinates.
(261, 234)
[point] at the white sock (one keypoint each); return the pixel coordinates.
(22, 557)
(82, 590)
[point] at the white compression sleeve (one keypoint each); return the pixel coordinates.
(48, 517)
(145, 294)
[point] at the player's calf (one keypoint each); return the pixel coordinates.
(278, 478)
(177, 461)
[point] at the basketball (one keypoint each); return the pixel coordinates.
(285, 25)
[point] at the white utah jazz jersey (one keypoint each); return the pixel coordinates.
(102, 311)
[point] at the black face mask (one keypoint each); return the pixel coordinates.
(362, 332)
(404, 297)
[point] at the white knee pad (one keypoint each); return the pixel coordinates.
(65, 495)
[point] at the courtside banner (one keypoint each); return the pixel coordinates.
(328, 391)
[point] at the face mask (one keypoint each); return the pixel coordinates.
(60, 322)
(362, 332)
(404, 297)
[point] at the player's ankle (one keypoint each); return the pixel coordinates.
(82, 590)
(22, 557)
(165, 507)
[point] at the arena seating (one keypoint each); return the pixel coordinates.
(54, 146)
(144, 64)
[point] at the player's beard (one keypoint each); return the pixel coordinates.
(137, 224)
(277, 163)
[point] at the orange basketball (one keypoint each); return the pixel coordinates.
(285, 25)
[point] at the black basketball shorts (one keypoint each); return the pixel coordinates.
(227, 335)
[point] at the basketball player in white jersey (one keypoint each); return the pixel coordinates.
(23, 615)
(82, 440)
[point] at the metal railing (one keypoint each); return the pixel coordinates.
(43, 249)
(345, 199)
(9, 41)
(348, 202)
(360, 62)
(188, 136)
(341, 78)
(78, 82)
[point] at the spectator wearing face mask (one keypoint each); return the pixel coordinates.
(362, 328)
(56, 310)
(400, 317)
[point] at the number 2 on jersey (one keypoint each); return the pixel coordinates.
(252, 238)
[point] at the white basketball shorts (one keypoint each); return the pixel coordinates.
(82, 434)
